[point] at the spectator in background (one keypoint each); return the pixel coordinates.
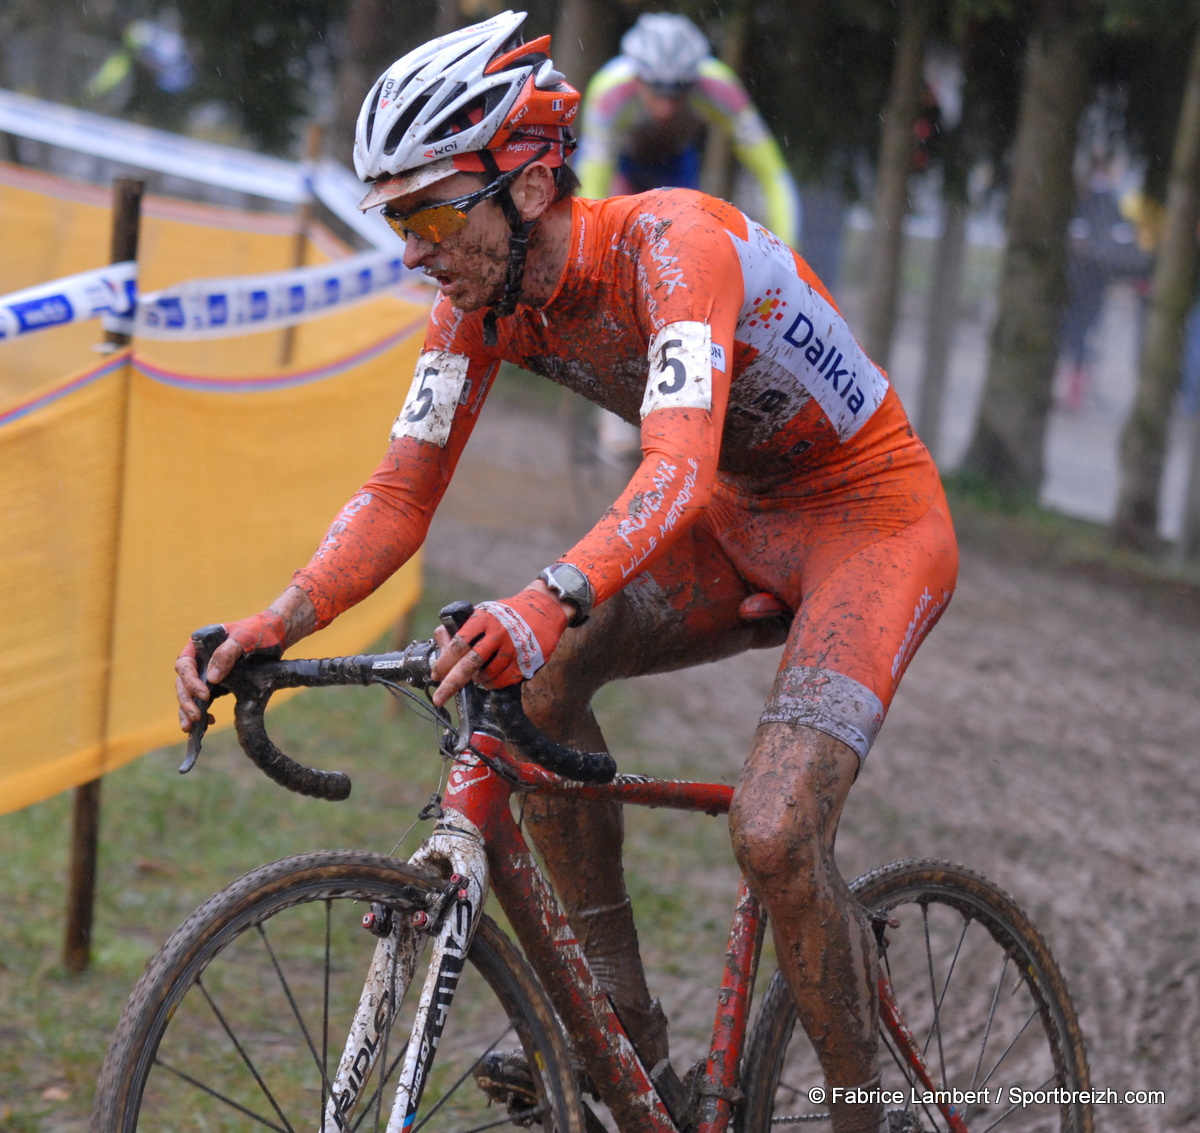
(1103, 247)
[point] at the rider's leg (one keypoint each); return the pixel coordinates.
(648, 627)
(783, 821)
(862, 611)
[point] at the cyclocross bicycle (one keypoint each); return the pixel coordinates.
(344, 990)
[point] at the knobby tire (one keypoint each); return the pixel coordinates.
(979, 989)
(230, 1024)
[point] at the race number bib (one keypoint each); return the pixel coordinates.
(432, 398)
(681, 361)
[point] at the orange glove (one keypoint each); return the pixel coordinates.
(514, 637)
(256, 634)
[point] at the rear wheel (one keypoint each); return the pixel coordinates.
(239, 1021)
(982, 996)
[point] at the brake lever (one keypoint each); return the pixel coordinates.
(206, 640)
(453, 617)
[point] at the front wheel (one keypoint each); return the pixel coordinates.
(982, 997)
(239, 1021)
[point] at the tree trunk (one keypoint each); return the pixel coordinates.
(1144, 440)
(891, 189)
(941, 321)
(585, 38)
(716, 175)
(365, 55)
(1010, 434)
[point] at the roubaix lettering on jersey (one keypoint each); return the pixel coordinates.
(789, 322)
(681, 361)
(437, 388)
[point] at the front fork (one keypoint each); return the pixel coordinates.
(455, 848)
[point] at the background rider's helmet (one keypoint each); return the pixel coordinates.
(666, 50)
(432, 112)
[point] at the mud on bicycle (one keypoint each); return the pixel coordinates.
(343, 990)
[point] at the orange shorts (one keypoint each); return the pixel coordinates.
(867, 571)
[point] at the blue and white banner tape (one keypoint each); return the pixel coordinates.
(247, 304)
(109, 291)
(205, 162)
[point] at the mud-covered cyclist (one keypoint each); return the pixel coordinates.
(779, 477)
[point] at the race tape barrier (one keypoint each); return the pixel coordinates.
(207, 163)
(202, 308)
(246, 304)
(109, 291)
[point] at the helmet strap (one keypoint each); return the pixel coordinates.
(518, 249)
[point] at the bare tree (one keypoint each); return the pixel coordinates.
(1010, 433)
(894, 166)
(716, 176)
(586, 36)
(1144, 440)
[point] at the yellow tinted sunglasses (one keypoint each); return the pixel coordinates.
(433, 223)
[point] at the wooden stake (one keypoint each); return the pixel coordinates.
(304, 217)
(85, 826)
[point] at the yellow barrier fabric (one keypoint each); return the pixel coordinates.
(153, 493)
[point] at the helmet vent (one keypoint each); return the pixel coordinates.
(373, 102)
(406, 119)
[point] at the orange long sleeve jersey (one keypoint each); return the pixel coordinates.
(676, 310)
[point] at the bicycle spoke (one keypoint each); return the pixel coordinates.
(936, 1024)
(1005, 1053)
(1013, 1108)
(287, 991)
(937, 1011)
(462, 1078)
(244, 1056)
(987, 1031)
(216, 1094)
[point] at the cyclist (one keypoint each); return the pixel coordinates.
(783, 498)
(642, 124)
(645, 112)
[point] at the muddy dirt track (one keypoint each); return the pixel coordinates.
(1046, 735)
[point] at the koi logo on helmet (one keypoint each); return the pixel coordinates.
(442, 150)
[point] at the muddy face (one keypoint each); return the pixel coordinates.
(469, 265)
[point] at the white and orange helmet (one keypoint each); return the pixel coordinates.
(433, 111)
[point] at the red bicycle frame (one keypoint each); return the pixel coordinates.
(479, 795)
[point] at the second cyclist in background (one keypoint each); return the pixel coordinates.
(643, 124)
(646, 112)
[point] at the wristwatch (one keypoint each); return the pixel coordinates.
(571, 584)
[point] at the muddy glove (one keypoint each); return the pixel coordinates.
(515, 637)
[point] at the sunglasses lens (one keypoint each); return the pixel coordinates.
(433, 224)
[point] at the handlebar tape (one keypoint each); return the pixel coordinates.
(252, 735)
(580, 766)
